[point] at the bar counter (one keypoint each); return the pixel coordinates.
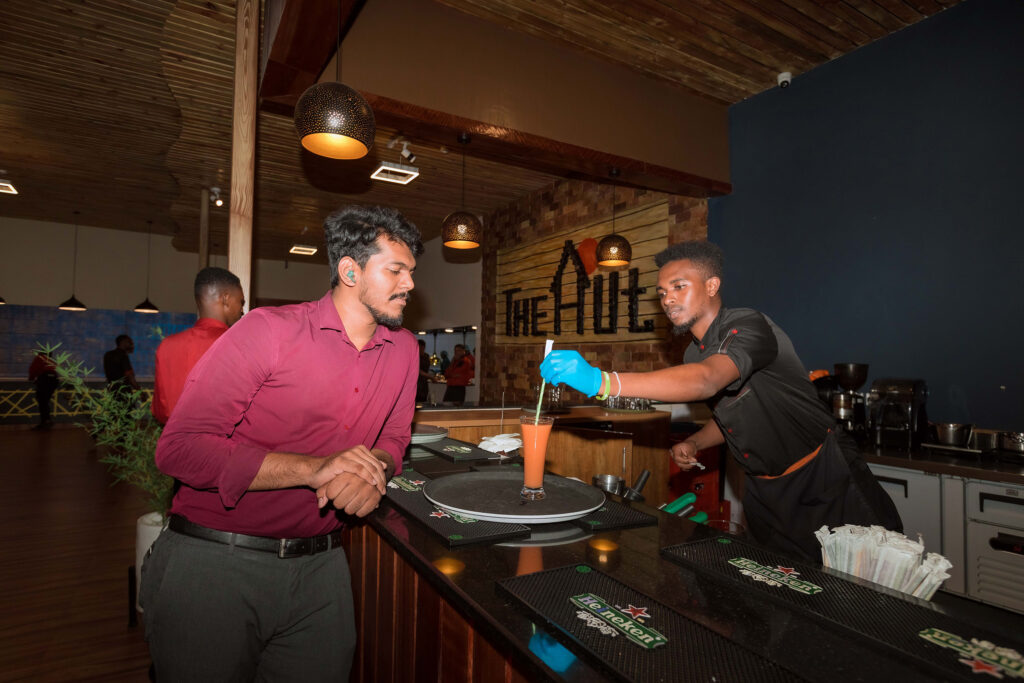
(427, 612)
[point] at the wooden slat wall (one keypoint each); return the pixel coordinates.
(531, 268)
(406, 630)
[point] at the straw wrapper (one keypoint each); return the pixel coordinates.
(885, 557)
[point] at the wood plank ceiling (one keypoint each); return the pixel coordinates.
(121, 109)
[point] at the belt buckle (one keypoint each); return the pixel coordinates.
(282, 548)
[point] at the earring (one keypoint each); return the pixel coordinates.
(351, 275)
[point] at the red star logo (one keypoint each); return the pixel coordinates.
(980, 667)
(439, 514)
(788, 570)
(637, 612)
(418, 482)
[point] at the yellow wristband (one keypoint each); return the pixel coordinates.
(606, 382)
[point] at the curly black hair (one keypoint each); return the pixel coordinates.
(218, 278)
(706, 256)
(353, 231)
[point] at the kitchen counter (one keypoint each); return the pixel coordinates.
(987, 466)
(426, 612)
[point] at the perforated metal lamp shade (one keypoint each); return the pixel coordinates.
(72, 304)
(614, 250)
(146, 306)
(461, 230)
(334, 121)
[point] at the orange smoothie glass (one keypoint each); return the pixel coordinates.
(535, 446)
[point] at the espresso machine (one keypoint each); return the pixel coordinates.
(848, 404)
(897, 412)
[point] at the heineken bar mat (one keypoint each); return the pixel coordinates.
(614, 515)
(950, 648)
(629, 635)
(456, 450)
(405, 493)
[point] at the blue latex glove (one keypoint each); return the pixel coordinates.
(568, 367)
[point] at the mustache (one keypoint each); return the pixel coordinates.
(403, 297)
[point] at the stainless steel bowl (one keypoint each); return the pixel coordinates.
(609, 483)
(953, 433)
(985, 441)
(1011, 441)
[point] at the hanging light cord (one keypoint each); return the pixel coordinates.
(613, 209)
(463, 178)
(338, 46)
(74, 264)
(149, 252)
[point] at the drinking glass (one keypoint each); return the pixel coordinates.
(535, 445)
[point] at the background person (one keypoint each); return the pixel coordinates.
(460, 372)
(801, 473)
(296, 415)
(43, 372)
(117, 366)
(220, 302)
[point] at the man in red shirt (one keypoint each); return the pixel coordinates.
(294, 419)
(459, 373)
(220, 301)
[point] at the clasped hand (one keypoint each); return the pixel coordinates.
(352, 480)
(568, 367)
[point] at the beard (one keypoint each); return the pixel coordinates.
(381, 318)
(683, 327)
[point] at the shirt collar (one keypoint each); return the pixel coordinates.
(328, 319)
(210, 323)
(712, 332)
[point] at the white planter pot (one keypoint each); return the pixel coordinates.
(147, 528)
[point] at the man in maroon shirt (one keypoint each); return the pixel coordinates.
(220, 301)
(459, 375)
(293, 419)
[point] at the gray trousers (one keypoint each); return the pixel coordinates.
(214, 612)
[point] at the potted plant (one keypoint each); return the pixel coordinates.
(127, 436)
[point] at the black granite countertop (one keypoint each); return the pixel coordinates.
(807, 648)
(991, 466)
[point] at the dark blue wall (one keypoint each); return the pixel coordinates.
(877, 216)
(87, 335)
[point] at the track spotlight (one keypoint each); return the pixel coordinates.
(215, 196)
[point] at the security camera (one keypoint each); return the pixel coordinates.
(785, 78)
(407, 154)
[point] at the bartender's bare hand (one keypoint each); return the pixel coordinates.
(684, 454)
(357, 460)
(350, 493)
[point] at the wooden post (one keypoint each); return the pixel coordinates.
(204, 228)
(243, 143)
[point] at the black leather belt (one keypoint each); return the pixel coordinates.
(282, 547)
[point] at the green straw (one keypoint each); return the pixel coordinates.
(547, 349)
(536, 419)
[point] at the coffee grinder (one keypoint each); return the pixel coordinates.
(848, 406)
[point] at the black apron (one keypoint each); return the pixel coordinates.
(834, 488)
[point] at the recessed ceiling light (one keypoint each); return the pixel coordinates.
(448, 330)
(302, 250)
(422, 332)
(7, 188)
(391, 172)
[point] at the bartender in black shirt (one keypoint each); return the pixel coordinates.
(802, 473)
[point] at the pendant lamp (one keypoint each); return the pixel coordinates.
(3, 301)
(147, 305)
(334, 120)
(461, 229)
(614, 250)
(73, 304)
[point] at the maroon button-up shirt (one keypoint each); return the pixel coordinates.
(284, 379)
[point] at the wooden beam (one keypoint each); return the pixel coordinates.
(243, 143)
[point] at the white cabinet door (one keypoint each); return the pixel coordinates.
(954, 533)
(918, 499)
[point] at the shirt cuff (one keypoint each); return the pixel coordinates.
(243, 464)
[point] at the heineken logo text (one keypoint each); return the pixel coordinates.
(620, 621)
(775, 576)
